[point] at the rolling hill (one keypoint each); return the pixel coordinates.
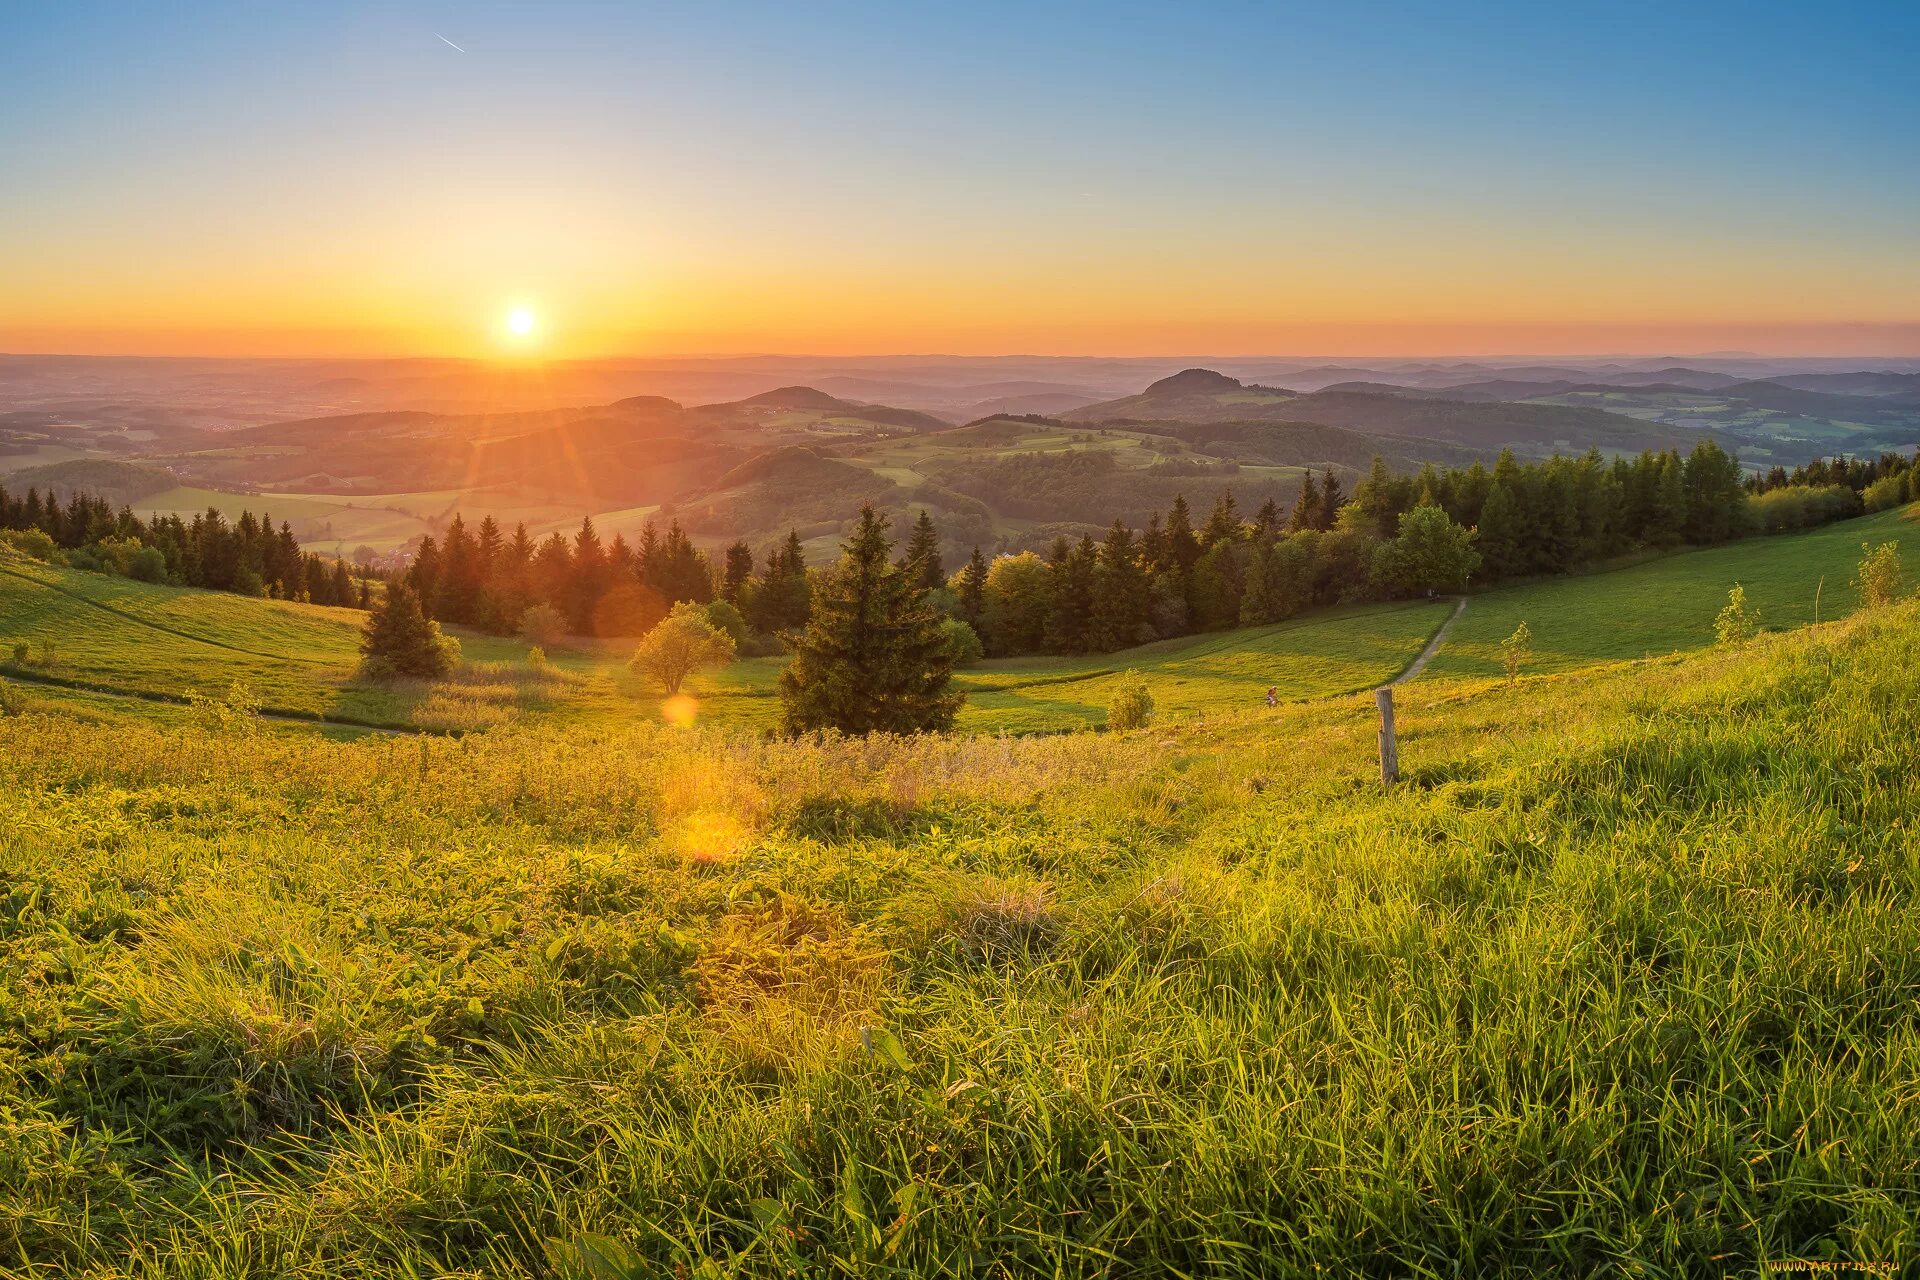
(1200, 395)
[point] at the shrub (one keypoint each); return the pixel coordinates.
(32, 543)
(148, 564)
(537, 658)
(544, 626)
(1430, 553)
(12, 702)
(962, 641)
(684, 642)
(235, 714)
(1878, 579)
(1802, 507)
(727, 618)
(1737, 623)
(1515, 650)
(1887, 492)
(1132, 705)
(21, 654)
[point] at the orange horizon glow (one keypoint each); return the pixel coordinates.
(1301, 340)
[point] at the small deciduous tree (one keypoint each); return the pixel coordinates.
(1879, 577)
(1132, 705)
(543, 626)
(1515, 650)
(1430, 553)
(1737, 623)
(963, 642)
(684, 642)
(399, 640)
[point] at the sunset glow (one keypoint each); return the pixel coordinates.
(341, 180)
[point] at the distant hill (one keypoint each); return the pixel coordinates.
(1200, 395)
(1041, 402)
(1865, 383)
(792, 487)
(121, 483)
(1818, 404)
(1192, 395)
(811, 401)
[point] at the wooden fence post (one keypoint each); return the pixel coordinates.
(1389, 751)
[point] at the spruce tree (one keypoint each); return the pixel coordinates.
(1069, 622)
(1306, 508)
(738, 573)
(1183, 549)
(1667, 517)
(1331, 500)
(399, 640)
(1502, 548)
(922, 559)
(873, 657)
(1120, 593)
(1223, 525)
(972, 589)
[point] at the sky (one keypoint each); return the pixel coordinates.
(982, 178)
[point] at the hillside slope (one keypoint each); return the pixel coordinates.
(1625, 949)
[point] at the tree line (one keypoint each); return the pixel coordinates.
(247, 556)
(1396, 535)
(477, 576)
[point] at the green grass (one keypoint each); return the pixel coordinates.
(114, 634)
(1669, 603)
(1620, 981)
(1191, 677)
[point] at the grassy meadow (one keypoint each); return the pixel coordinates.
(118, 635)
(1621, 979)
(1669, 603)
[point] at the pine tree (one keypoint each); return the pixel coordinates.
(1223, 525)
(423, 575)
(1069, 622)
(342, 584)
(1667, 513)
(1256, 605)
(1120, 599)
(1374, 496)
(1183, 549)
(1330, 500)
(922, 559)
(456, 595)
(1306, 508)
(399, 640)
(971, 588)
(738, 573)
(873, 657)
(1500, 539)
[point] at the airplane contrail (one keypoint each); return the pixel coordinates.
(450, 44)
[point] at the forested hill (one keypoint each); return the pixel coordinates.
(1200, 395)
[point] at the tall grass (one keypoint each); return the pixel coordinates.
(1621, 980)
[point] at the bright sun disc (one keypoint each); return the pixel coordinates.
(520, 321)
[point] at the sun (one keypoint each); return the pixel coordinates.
(521, 322)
